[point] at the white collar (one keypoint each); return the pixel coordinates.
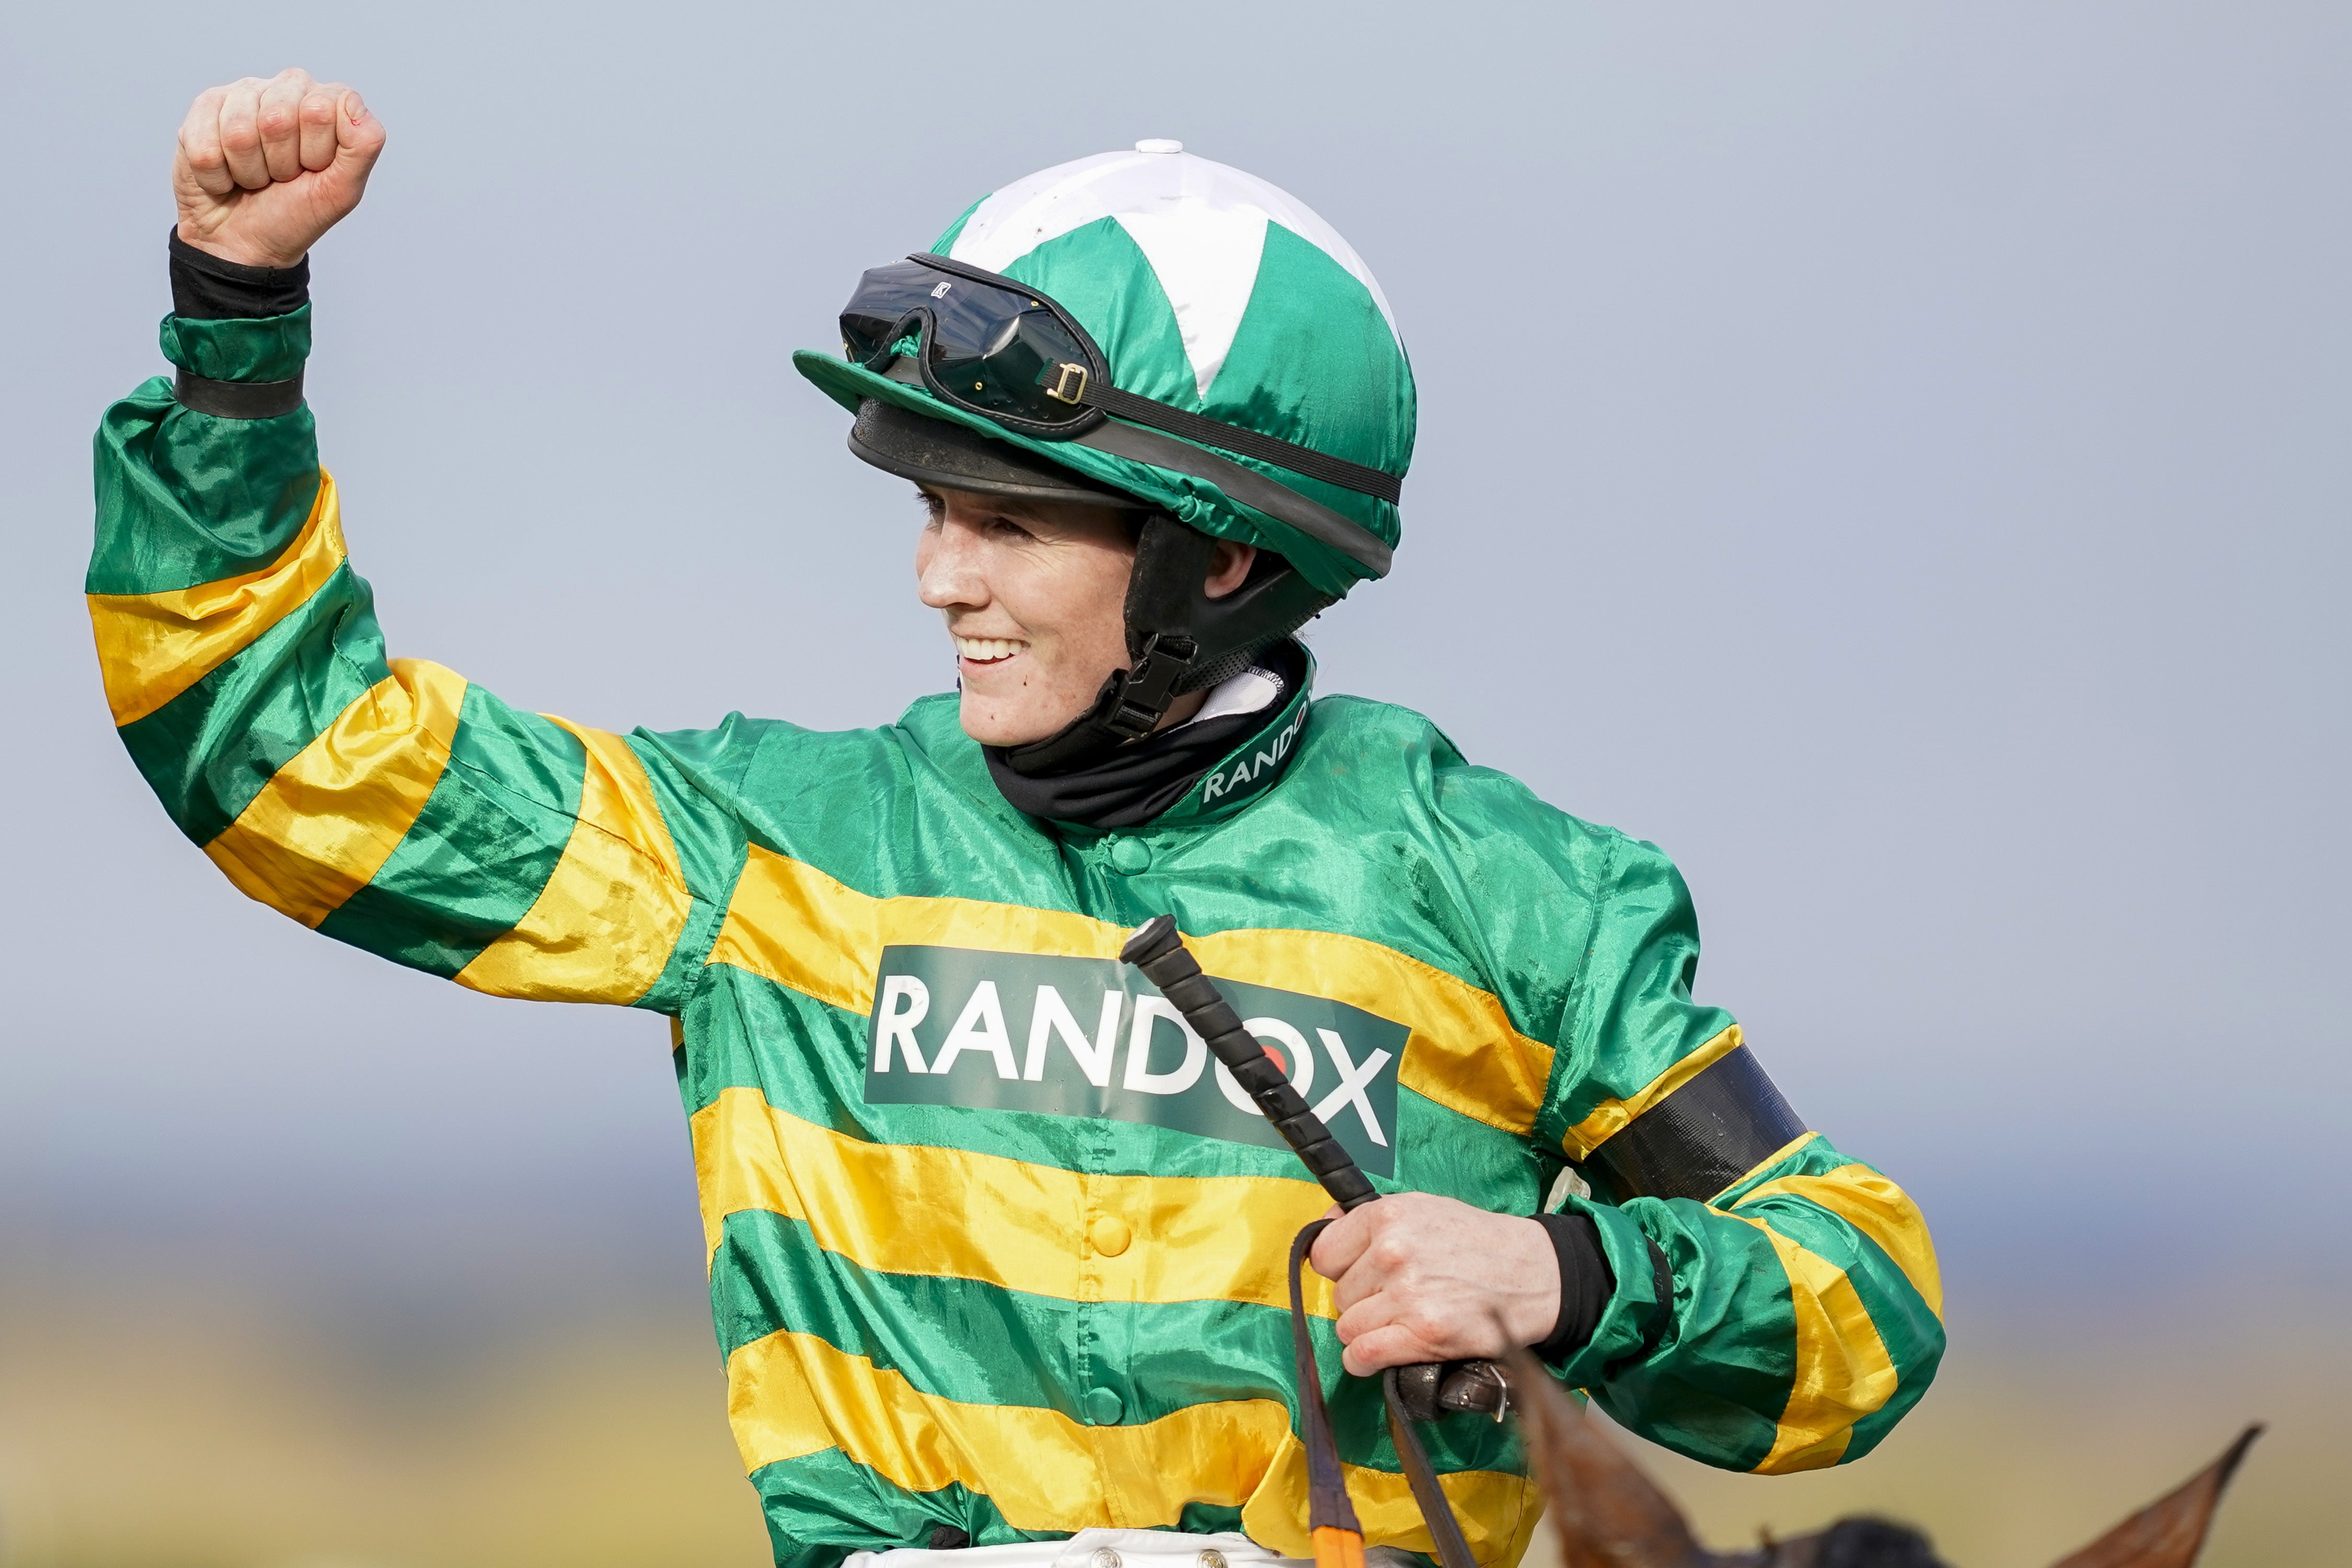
(1247, 692)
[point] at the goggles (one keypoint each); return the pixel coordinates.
(994, 347)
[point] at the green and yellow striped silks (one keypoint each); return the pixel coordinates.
(990, 1244)
(794, 1395)
(1866, 1294)
(1217, 1238)
(385, 801)
(796, 925)
(1836, 1259)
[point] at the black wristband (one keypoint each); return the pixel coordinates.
(206, 288)
(1585, 1284)
(238, 399)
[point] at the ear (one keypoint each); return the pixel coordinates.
(2169, 1531)
(1608, 1514)
(1229, 565)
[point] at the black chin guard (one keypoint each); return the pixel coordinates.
(1178, 639)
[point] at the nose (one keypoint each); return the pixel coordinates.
(947, 568)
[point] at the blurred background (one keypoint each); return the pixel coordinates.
(1892, 456)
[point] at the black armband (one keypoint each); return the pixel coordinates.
(1725, 1121)
(206, 288)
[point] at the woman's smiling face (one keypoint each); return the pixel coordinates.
(1035, 593)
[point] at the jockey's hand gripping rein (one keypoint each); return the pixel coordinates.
(1412, 1393)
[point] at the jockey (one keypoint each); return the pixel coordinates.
(996, 1253)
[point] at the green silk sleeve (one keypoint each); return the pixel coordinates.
(387, 801)
(1802, 1314)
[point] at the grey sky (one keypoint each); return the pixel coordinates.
(1894, 458)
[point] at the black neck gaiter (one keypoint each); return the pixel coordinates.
(1143, 778)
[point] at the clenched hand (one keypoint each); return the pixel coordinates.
(263, 168)
(1421, 1277)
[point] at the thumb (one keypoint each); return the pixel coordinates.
(359, 139)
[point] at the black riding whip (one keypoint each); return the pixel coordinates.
(1411, 1393)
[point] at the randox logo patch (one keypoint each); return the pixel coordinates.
(1258, 768)
(1087, 1037)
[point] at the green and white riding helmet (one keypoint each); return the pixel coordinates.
(1155, 330)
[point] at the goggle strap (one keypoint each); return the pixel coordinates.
(1093, 389)
(1247, 486)
(1226, 438)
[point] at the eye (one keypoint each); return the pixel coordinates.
(1006, 527)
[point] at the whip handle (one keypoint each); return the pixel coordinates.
(1160, 952)
(1416, 1393)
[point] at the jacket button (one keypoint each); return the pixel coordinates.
(1104, 1407)
(1110, 1236)
(1130, 856)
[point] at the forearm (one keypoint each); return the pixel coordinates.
(214, 528)
(228, 626)
(387, 803)
(185, 498)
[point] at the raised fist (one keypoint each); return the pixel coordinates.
(263, 168)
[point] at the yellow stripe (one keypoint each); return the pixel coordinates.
(792, 1394)
(1463, 1052)
(603, 926)
(913, 1209)
(1609, 1118)
(1876, 1207)
(799, 928)
(152, 647)
(792, 923)
(327, 821)
(1843, 1371)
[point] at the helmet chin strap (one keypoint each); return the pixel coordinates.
(1177, 640)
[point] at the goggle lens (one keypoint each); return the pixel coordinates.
(1016, 372)
(994, 349)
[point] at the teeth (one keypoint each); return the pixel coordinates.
(988, 648)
